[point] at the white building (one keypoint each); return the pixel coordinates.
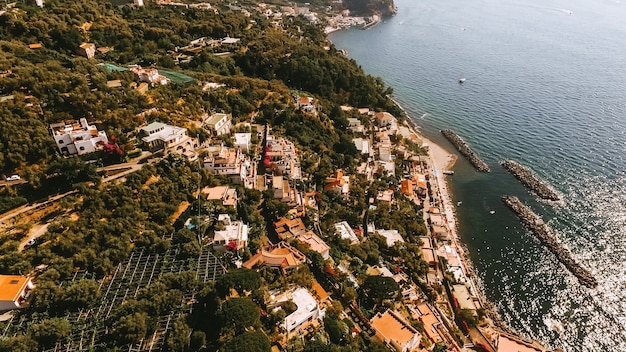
(231, 162)
(234, 236)
(87, 50)
(384, 153)
(392, 236)
(14, 290)
(150, 75)
(388, 166)
(355, 125)
(229, 40)
(308, 310)
(362, 145)
(281, 154)
(78, 137)
(172, 139)
(242, 141)
(344, 231)
(219, 123)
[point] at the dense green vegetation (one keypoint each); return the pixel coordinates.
(103, 223)
(368, 7)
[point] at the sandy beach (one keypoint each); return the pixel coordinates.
(442, 159)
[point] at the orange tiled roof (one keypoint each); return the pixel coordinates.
(12, 286)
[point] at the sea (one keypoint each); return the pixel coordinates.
(545, 86)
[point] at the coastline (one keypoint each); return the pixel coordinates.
(442, 159)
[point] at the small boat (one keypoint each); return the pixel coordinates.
(462, 80)
(458, 204)
(492, 212)
(448, 172)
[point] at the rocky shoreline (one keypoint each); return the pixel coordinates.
(547, 238)
(530, 180)
(466, 150)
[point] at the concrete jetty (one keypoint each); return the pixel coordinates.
(544, 233)
(530, 180)
(466, 151)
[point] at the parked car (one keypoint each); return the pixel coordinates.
(13, 178)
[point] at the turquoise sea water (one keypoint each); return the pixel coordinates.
(546, 86)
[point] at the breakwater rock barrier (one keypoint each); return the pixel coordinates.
(530, 180)
(544, 233)
(466, 151)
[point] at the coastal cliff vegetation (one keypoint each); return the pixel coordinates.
(371, 7)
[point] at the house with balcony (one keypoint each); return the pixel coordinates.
(171, 139)
(234, 235)
(432, 324)
(306, 104)
(231, 162)
(362, 145)
(288, 228)
(218, 123)
(77, 138)
(386, 121)
(281, 157)
(87, 50)
(355, 125)
(308, 311)
(338, 183)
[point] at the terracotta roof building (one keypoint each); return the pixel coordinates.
(14, 290)
(227, 195)
(315, 243)
(289, 228)
(282, 256)
(431, 323)
(396, 332)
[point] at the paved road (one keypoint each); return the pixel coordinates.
(36, 232)
(6, 217)
(11, 183)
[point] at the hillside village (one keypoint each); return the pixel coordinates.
(228, 212)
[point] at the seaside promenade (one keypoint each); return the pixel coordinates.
(441, 160)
